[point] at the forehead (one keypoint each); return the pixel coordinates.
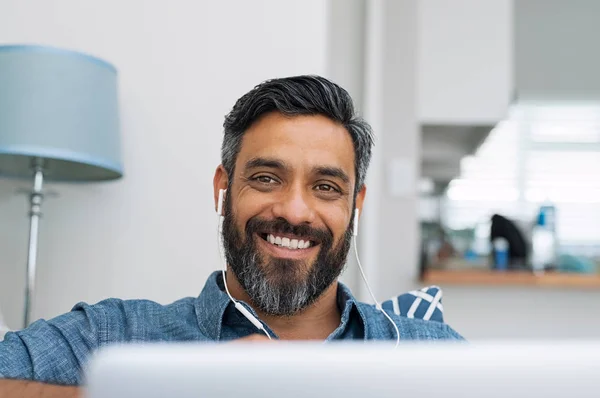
(302, 141)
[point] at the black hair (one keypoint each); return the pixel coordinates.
(293, 96)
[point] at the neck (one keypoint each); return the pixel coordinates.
(313, 323)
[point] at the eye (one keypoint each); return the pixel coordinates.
(264, 179)
(326, 188)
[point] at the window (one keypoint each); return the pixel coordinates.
(542, 152)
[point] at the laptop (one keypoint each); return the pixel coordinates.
(346, 370)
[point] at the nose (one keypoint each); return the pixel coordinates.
(294, 207)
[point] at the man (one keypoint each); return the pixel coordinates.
(294, 161)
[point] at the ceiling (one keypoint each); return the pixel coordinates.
(443, 147)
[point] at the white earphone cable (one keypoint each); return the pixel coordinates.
(377, 305)
(237, 304)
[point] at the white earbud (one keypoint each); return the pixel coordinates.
(220, 202)
(355, 223)
(248, 315)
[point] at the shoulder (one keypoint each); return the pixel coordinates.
(133, 309)
(419, 329)
(142, 320)
(409, 328)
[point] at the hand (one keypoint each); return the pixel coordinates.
(252, 338)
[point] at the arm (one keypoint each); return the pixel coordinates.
(51, 351)
(31, 389)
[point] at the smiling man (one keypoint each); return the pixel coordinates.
(293, 165)
(287, 226)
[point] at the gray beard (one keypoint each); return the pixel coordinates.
(271, 298)
(282, 287)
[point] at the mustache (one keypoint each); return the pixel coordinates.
(281, 225)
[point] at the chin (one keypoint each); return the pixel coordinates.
(283, 270)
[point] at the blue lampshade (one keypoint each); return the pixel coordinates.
(59, 106)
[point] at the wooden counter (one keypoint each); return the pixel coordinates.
(510, 278)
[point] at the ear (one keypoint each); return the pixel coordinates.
(220, 181)
(360, 199)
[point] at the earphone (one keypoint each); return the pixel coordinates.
(248, 315)
(364, 277)
(238, 306)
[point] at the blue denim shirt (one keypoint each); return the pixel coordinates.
(54, 351)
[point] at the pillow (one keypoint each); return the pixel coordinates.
(424, 304)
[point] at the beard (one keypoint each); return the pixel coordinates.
(280, 286)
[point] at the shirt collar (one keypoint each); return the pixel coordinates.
(213, 301)
(211, 305)
(349, 307)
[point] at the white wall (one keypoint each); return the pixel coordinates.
(389, 234)
(556, 50)
(182, 66)
(484, 313)
(465, 58)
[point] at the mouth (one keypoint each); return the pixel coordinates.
(289, 242)
(287, 246)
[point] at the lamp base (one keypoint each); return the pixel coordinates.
(36, 197)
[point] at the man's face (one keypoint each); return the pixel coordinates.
(288, 210)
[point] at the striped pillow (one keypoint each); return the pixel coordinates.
(424, 304)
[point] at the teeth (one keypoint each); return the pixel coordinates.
(287, 242)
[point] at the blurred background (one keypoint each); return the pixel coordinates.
(484, 179)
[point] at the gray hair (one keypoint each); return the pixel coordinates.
(294, 96)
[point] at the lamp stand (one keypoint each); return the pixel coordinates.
(36, 197)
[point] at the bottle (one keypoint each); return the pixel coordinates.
(543, 239)
(501, 255)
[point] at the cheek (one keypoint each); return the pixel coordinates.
(337, 221)
(246, 207)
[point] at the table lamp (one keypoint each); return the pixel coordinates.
(59, 121)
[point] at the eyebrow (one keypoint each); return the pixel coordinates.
(334, 172)
(266, 162)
